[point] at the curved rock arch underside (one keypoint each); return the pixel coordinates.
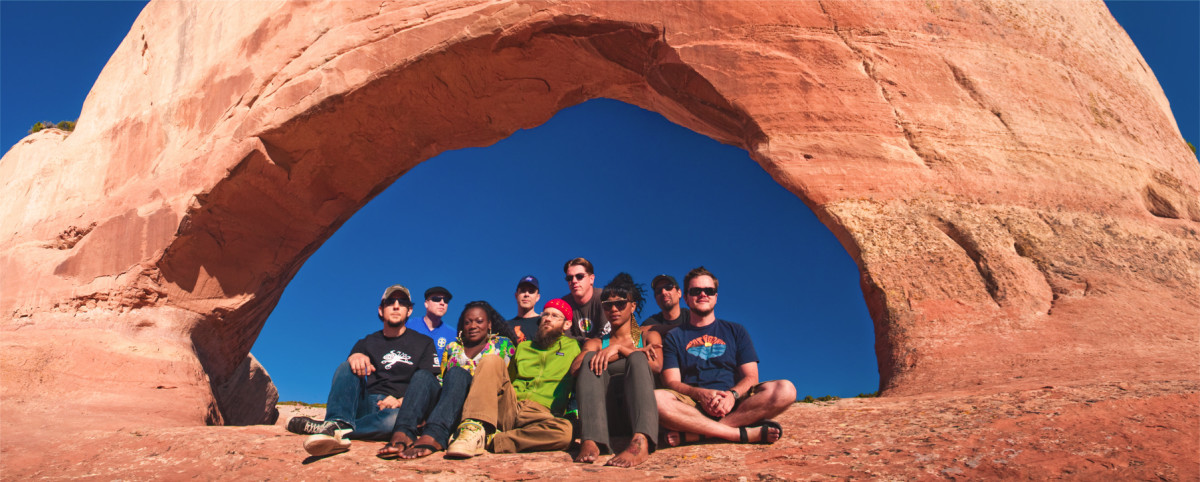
(1008, 177)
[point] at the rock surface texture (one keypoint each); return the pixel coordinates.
(1008, 177)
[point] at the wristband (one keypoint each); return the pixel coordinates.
(736, 395)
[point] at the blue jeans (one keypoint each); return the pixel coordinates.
(439, 405)
(348, 403)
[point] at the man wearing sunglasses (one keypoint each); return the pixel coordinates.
(437, 302)
(667, 295)
(588, 320)
(710, 372)
(369, 386)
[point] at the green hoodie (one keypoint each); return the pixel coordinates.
(542, 375)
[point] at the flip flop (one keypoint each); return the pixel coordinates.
(392, 450)
(433, 448)
(763, 427)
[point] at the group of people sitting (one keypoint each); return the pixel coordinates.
(580, 370)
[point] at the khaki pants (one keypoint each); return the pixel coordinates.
(521, 426)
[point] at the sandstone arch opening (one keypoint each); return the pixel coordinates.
(945, 187)
(994, 218)
(472, 219)
(246, 238)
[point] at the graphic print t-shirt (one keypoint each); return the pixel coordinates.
(587, 320)
(396, 359)
(708, 357)
(525, 328)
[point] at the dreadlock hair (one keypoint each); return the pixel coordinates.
(622, 285)
(497, 323)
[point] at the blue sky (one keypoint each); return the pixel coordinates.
(638, 180)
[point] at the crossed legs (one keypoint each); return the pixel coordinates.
(768, 400)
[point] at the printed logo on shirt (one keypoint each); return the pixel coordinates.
(519, 333)
(441, 343)
(706, 347)
(607, 329)
(393, 357)
(585, 325)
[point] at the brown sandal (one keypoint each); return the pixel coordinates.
(423, 442)
(394, 447)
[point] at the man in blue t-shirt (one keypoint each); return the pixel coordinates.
(437, 302)
(710, 372)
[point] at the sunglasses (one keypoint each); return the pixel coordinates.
(578, 277)
(665, 287)
(618, 304)
(696, 291)
(392, 301)
(439, 299)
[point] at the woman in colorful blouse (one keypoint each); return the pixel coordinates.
(481, 331)
(624, 360)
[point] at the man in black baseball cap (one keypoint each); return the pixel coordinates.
(667, 295)
(437, 302)
(525, 324)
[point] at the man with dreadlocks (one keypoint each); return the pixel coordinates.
(619, 365)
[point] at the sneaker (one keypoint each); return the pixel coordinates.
(319, 445)
(470, 441)
(308, 426)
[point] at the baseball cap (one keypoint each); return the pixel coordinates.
(529, 279)
(393, 289)
(660, 278)
(438, 289)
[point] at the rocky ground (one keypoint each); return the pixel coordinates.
(1094, 431)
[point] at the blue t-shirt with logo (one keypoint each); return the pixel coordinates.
(442, 335)
(708, 357)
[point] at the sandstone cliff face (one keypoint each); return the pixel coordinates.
(1007, 176)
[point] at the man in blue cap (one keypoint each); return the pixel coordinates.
(525, 324)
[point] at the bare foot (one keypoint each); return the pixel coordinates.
(399, 442)
(423, 447)
(588, 451)
(637, 452)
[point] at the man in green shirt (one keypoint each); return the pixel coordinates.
(521, 406)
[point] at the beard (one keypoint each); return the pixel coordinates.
(701, 313)
(395, 324)
(547, 335)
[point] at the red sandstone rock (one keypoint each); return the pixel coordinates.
(248, 397)
(1007, 176)
(1098, 431)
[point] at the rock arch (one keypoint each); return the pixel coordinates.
(999, 191)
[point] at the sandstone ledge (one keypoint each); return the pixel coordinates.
(1102, 430)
